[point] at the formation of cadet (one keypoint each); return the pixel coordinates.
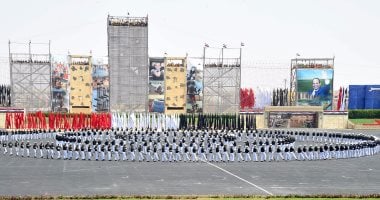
(187, 145)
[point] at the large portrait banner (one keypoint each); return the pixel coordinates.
(315, 87)
(156, 85)
(194, 79)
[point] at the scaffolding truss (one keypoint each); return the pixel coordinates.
(128, 60)
(30, 76)
(222, 81)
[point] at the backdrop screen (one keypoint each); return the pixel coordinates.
(315, 87)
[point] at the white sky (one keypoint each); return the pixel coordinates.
(273, 32)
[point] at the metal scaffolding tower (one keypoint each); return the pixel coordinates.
(222, 81)
(30, 76)
(128, 60)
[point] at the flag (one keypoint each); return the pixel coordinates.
(250, 98)
(339, 99)
(125, 119)
(7, 121)
(344, 99)
(113, 120)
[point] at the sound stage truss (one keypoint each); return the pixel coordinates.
(222, 80)
(128, 61)
(30, 76)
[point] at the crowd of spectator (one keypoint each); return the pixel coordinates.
(174, 65)
(221, 65)
(80, 62)
(314, 65)
(30, 61)
(128, 22)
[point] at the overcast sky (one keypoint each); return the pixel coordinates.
(273, 32)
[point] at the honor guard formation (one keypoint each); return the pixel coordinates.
(187, 145)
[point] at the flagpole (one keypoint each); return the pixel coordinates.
(203, 78)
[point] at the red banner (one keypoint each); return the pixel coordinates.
(38, 120)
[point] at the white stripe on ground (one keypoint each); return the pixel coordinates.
(256, 186)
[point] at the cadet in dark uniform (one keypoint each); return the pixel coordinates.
(202, 154)
(102, 150)
(109, 152)
(321, 154)
(65, 151)
(27, 149)
(185, 155)
(304, 153)
(132, 156)
(225, 154)
(232, 155)
(155, 154)
(331, 152)
(89, 152)
(10, 146)
(17, 147)
(52, 147)
(239, 154)
(194, 156)
(22, 146)
(316, 154)
(76, 152)
(270, 153)
(292, 154)
(82, 152)
(263, 155)
(178, 154)
(171, 153)
(279, 154)
(5, 148)
(164, 157)
(140, 154)
(247, 157)
(341, 150)
(47, 147)
(35, 146)
(97, 151)
(70, 150)
(310, 153)
(116, 152)
(58, 148)
(254, 154)
(299, 152)
(124, 153)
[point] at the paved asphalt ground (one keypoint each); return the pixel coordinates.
(28, 176)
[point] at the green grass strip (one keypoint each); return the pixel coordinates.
(203, 197)
(363, 121)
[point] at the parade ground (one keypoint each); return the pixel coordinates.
(29, 176)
